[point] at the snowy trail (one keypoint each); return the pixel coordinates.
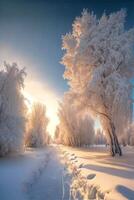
(34, 174)
(17, 171)
(50, 185)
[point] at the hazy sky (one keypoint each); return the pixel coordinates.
(30, 34)
(31, 30)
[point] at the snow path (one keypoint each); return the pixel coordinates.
(17, 170)
(50, 186)
(35, 174)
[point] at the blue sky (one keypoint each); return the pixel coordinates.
(30, 34)
(31, 31)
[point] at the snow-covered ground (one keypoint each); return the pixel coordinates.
(18, 173)
(100, 176)
(36, 174)
(50, 186)
(90, 173)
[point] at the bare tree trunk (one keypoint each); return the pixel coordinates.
(114, 143)
(117, 145)
(113, 140)
(110, 128)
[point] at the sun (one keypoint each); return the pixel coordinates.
(36, 92)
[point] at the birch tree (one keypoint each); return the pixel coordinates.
(98, 66)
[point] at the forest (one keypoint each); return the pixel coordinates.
(95, 134)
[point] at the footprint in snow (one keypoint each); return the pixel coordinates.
(71, 159)
(91, 176)
(72, 154)
(74, 158)
(81, 165)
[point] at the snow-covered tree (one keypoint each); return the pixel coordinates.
(67, 125)
(12, 109)
(129, 136)
(100, 137)
(98, 65)
(85, 130)
(74, 129)
(37, 135)
(57, 135)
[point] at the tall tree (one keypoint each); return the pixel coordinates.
(12, 109)
(37, 135)
(74, 129)
(98, 65)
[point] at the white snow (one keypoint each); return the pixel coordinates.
(18, 172)
(111, 178)
(51, 185)
(40, 173)
(37, 174)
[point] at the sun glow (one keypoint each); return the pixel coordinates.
(97, 125)
(36, 91)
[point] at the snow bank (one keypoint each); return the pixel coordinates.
(96, 175)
